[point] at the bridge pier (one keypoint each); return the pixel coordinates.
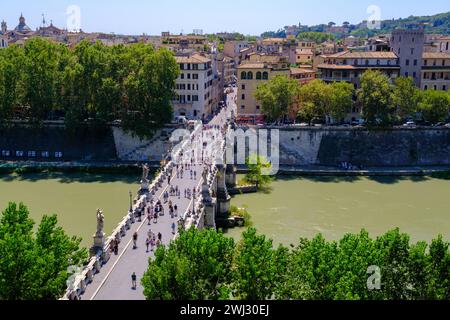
(231, 176)
(223, 198)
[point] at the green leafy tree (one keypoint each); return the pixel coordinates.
(258, 171)
(35, 266)
(405, 97)
(315, 97)
(341, 100)
(277, 97)
(434, 105)
(258, 267)
(375, 98)
(196, 266)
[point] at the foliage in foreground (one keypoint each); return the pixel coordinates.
(34, 266)
(207, 265)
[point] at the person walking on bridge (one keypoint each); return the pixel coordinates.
(134, 281)
(135, 238)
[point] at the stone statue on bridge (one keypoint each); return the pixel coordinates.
(144, 182)
(100, 221)
(145, 172)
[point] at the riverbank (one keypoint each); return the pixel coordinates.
(112, 167)
(367, 172)
(133, 167)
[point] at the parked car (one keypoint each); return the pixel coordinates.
(410, 124)
(180, 120)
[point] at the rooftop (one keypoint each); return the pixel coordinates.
(193, 58)
(436, 55)
(364, 55)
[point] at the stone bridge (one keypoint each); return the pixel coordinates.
(107, 276)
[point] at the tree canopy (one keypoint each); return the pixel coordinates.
(34, 265)
(203, 264)
(91, 83)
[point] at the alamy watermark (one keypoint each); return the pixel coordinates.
(374, 20)
(236, 147)
(73, 22)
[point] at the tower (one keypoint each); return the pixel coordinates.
(408, 46)
(4, 27)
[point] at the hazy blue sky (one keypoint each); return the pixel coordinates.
(245, 16)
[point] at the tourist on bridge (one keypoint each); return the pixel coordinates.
(147, 243)
(173, 228)
(134, 281)
(135, 238)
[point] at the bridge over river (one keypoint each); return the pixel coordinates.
(108, 275)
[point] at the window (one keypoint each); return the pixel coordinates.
(195, 98)
(415, 62)
(258, 107)
(378, 62)
(5, 153)
(265, 75)
(19, 153)
(258, 75)
(425, 62)
(195, 67)
(414, 75)
(195, 76)
(182, 66)
(243, 87)
(399, 50)
(425, 87)
(188, 75)
(243, 75)
(444, 87)
(367, 62)
(406, 74)
(243, 97)
(412, 50)
(250, 75)
(355, 62)
(407, 62)
(242, 107)
(31, 154)
(182, 76)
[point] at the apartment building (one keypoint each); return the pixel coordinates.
(194, 86)
(435, 71)
(253, 73)
(349, 66)
(304, 57)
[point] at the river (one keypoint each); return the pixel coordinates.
(295, 207)
(74, 197)
(305, 206)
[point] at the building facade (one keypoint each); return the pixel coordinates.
(349, 66)
(194, 86)
(435, 71)
(251, 75)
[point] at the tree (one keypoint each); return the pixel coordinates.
(196, 266)
(375, 98)
(316, 98)
(11, 73)
(434, 105)
(277, 97)
(258, 171)
(341, 100)
(405, 97)
(258, 267)
(35, 266)
(150, 93)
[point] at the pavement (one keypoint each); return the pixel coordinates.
(113, 282)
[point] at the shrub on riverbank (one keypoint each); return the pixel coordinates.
(357, 267)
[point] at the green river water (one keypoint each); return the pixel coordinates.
(296, 207)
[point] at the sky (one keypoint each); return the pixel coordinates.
(183, 16)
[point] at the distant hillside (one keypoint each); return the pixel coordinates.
(438, 24)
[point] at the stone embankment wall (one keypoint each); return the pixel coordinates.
(389, 148)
